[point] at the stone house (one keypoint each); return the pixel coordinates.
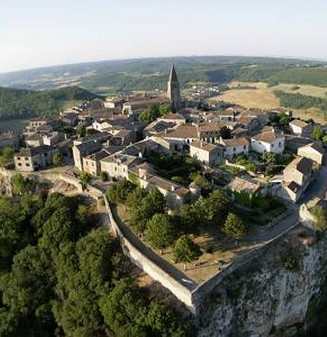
(173, 118)
(300, 128)
(91, 163)
(206, 153)
(70, 119)
(82, 149)
(33, 159)
(235, 146)
(117, 166)
(53, 138)
(175, 194)
(312, 151)
(243, 190)
(269, 141)
(180, 137)
(135, 107)
(33, 140)
(296, 177)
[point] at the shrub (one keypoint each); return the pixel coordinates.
(291, 263)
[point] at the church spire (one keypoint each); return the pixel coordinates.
(173, 91)
(173, 75)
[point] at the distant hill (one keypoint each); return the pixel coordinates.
(152, 73)
(17, 103)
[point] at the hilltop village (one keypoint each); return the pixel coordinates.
(235, 178)
(112, 137)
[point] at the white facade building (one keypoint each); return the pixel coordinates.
(268, 142)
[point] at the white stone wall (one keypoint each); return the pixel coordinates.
(114, 169)
(277, 146)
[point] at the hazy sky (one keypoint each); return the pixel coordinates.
(37, 33)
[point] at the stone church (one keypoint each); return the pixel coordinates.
(173, 92)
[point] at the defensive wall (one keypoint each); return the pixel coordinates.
(187, 291)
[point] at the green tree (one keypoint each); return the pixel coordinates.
(119, 192)
(59, 228)
(58, 159)
(225, 132)
(320, 215)
(162, 320)
(185, 250)
(104, 176)
(164, 109)
(153, 203)
(94, 253)
(124, 310)
(18, 184)
(324, 139)
(135, 198)
(85, 178)
(7, 156)
(317, 133)
(269, 158)
(160, 231)
(190, 218)
(201, 181)
(28, 290)
(234, 227)
(149, 114)
(213, 209)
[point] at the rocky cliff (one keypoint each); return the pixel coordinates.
(271, 295)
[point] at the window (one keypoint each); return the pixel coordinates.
(280, 144)
(26, 158)
(18, 158)
(27, 164)
(234, 149)
(244, 147)
(19, 164)
(272, 146)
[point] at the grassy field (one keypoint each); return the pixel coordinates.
(309, 90)
(263, 97)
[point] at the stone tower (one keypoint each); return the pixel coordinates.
(173, 92)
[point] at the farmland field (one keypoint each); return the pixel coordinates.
(262, 96)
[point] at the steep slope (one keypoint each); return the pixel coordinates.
(272, 295)
(16, 103)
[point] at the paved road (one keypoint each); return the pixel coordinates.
(280, 228)
(317, 188)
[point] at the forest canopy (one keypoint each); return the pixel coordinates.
(19, 103)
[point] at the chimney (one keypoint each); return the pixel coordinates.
(172, 188)
(201, 144)
(140, 155)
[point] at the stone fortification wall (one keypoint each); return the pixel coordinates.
(152, 264)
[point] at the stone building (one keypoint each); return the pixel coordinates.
(173, 92)
(206, 153)
(33, 159)
(312, 151)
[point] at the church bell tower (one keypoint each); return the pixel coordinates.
(173, 92)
